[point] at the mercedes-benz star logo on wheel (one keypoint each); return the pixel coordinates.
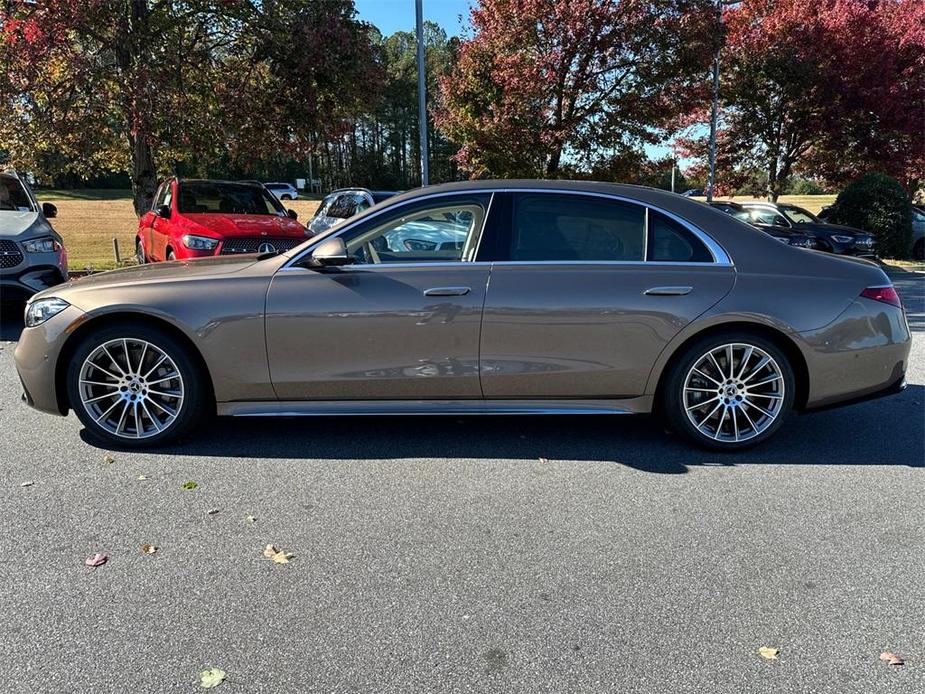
(266, 248)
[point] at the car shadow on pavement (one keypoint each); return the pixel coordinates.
(889, 431)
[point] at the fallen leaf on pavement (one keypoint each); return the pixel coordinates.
(891, 658)
(211, 678)
(27, 484)
(212, 511)
(544, 460)
(277, 555)
(148, 549)
(142, 477)
(250, 519)
(190, 485)
(96, 560)
(768, 653)
(108, 460)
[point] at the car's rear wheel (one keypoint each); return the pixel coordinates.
(140, 253)
(133, 385)
(730, 391)
(171, 255)
(918, 252)
(286, 197)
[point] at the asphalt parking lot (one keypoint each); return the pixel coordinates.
(468, 555)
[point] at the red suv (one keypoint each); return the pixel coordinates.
(197, 218)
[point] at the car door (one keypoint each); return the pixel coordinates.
(402, 321)
(161, 226)
(146, 223)
(585, 294)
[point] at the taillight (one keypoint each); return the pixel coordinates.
(887, 295)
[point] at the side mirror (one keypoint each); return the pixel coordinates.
(49, 210)
(292, 214)
(163, 211)
(330, 252)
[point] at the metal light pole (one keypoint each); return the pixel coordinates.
(422, 92)
(714, 107)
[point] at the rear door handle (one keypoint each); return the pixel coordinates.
(447, 291)
(668, 291)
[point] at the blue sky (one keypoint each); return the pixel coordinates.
(398, 15)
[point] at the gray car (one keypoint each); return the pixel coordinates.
(32, 254)
(531, 297)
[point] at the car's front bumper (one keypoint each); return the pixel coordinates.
(37, 355)
(21, 282)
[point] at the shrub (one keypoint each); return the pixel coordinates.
(878, 204)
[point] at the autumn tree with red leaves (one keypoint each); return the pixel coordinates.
(830, 89)
(141, 85)
(540, 79)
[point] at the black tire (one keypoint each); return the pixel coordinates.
(170, 254)
(286, 197)
(673, 403)
(139, 253)
(918, 252)
(195, 392)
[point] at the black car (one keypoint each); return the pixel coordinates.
(832, 238)
(782, 234)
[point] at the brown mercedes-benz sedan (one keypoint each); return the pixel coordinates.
(510, 297)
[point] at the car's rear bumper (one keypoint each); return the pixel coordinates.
(862, 354)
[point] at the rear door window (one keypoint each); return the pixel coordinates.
(562, 228)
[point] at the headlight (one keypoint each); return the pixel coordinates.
(199, 243)
(45, 244)
(842, 239)
(37, 312)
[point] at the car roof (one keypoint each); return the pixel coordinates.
(357, 189)
(218, 180)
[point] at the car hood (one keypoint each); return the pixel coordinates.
(179, 270)
(23, 225)
(813, 228)
(230, 225)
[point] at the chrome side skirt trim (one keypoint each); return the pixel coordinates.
(329, 408)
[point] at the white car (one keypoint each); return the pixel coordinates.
(282, 191)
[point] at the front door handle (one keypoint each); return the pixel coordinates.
(447, 291)
(668, 291)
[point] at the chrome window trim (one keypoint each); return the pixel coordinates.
(720, 257)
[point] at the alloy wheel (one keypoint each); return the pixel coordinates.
(733, 392)
(131, 388)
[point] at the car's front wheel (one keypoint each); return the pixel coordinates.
(133, 385)
(730, 391)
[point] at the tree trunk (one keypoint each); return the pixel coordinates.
(552, 166)
(144, 174)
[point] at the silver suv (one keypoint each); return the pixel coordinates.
(343, 204)
(32, 254)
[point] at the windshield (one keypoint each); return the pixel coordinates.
(798, 215)
(210, 197)
(13, 196)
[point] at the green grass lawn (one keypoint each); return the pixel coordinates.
(52, 195)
